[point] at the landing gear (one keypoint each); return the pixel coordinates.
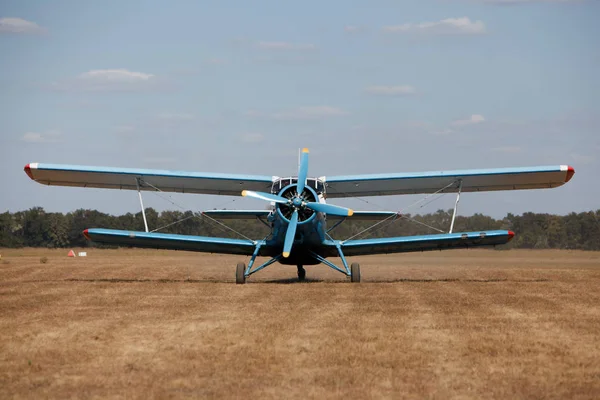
(240, 273)
(301, 273)
(355, 272)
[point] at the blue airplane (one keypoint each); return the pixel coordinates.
(299, 212)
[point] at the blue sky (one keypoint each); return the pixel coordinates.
(238, 86)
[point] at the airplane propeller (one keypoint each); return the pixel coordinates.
(290, 234)
(265, 196)
(302, 170)
(297, 202)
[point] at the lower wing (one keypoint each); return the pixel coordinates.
(367, 216)
(173, 242)
(402, 244)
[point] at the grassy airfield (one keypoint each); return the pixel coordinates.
(148, 323)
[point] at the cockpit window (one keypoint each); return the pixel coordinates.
(315, 184)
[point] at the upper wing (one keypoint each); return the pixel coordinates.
(402, 244)
(174, 242)
(432, 182)
(127, 178)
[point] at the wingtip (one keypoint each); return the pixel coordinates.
(305, 150)
(27, 170)
(511, 234)
(244, 193)
(570, 173)
(86, 234)
(350, 213)
(285, 254)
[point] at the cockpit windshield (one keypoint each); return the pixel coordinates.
(313, 183)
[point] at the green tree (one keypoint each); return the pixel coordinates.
(35, 227)
(57, 234)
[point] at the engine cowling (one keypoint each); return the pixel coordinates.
(290, 192)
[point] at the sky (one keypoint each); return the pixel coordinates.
(373, 86)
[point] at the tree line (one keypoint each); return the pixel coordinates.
(38, 228)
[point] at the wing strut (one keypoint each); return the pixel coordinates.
(137, 182)
(456, 205)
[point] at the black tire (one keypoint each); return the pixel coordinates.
(301, 273)
(355, 272)
(240, 273)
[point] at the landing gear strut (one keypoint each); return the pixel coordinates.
(301, 273)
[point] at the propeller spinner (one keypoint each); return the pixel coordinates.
(297, 203)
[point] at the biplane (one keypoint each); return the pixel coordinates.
(298, 214)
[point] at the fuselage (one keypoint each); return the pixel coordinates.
(312, 225)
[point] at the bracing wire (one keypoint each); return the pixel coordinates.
(173, 223)
(422, 223)
(371, 227)
(428, 196)
(391, 219)
(196, 214)
(399, 213)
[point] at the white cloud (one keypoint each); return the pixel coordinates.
(284, 58)
(284, 46)
(19, 25)
(510, 2)
(442, 132)
(279, 52)
(582, 158)
(354, 29)
(418, 124)
(159, 160)
(508, 149)
(115, 75)
(52, 136)
(301, 113)
(216, 61)
(391, 90)
(125, 129)
(473, 119)
(252, 138)
(448, 26)
(108, 80)
(443, 129)
(185, 71)
(175, 116)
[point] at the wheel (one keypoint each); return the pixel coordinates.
(240, 273)
(301, 273)
(355, 272)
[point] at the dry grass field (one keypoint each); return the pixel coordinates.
(478, 324)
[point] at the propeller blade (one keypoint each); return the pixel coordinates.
(302, 170)
(330, 209)
(290, 234)
(264, 196)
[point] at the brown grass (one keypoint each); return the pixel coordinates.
(456, 324)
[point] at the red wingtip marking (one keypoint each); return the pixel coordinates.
(27, 170)
(511, 234)
(570, 173)
(87, 236)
